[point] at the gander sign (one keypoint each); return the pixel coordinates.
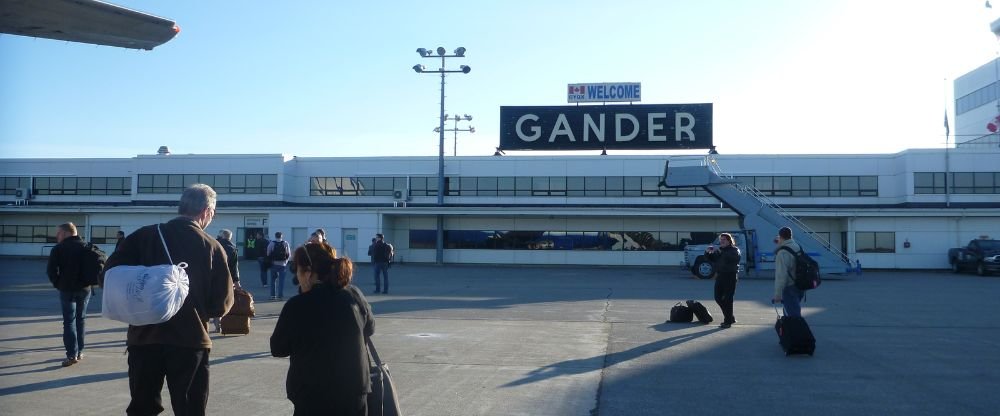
(622, 127)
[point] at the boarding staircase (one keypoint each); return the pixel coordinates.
(756, 211)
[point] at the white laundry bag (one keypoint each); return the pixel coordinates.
(145, 295)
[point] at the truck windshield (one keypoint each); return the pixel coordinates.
(990, 245)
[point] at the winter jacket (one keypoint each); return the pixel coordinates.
(784, 266)
(65, 262)
(211, 286)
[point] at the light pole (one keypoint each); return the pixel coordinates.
(420, 69)
(455, 129)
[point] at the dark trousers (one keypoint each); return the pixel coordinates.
(186, 371)
(383, 269)
(265, 265)
(725, 290)
(357, 405)
(74, 310)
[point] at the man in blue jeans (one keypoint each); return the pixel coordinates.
(65, 271)
(278, 252)
(785, 291)
(381, 256)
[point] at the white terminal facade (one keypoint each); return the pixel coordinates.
(888, 211)
(891, 211)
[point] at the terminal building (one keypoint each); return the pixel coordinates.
(887, 211)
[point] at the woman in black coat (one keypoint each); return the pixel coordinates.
(727, 263)
(323, 331)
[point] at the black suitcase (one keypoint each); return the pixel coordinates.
(700, 311)
(794, 335)
(681, 313)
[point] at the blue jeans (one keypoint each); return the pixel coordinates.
(74, 310)
(278, 279)
(791, 298)
(383, 269)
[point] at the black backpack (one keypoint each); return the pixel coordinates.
(280, 252)
(806, 270)
(93, 265)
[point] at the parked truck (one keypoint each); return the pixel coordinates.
(981, 255)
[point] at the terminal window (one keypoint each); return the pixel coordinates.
(875, 242)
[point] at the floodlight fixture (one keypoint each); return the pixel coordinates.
(460, 51)
(441, 51)
(465, 69)
(418, 68)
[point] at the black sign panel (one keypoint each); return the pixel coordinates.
(622, 127)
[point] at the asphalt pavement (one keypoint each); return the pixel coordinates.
(509, 340)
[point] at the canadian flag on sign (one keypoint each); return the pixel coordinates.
(576, 89)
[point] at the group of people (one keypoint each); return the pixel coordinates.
(322, 330)
(726, 260)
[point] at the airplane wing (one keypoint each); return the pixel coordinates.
(86, 21)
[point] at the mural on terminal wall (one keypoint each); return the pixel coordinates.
(561, 240)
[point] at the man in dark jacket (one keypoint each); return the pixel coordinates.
(225, 239)
(381, 256)
(64, 270)
(178, 349)
(727, 263)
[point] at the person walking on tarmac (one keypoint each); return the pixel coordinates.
(785, 291)
(727, 262)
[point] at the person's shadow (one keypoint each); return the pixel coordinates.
(584, 365)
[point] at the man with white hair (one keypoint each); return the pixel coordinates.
(177, 349)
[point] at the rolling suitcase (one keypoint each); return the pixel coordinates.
(235, 325)
(794, 335)
(700, 311)
(681, 313)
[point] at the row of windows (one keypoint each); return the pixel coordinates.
(99, 234)
(11, 183)
(561, 240)
(875, 242)
(585, 186)
(865, 241)
(959, 182)
(974, 99)
(223, 184)
(28, 233)
(104, 234)
(69, 185)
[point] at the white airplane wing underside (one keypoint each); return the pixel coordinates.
(86, 21)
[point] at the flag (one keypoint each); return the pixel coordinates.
(947, 130)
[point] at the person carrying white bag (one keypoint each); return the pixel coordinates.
(177, 348)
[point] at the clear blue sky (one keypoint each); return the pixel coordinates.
(325, 78)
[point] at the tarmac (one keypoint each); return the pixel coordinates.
(509, 340)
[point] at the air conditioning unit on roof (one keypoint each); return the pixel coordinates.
(400, 195)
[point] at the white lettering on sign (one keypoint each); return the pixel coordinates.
(561, 128)
(589, 126)
(686, 129)
(652, 126)
(536, 131)
(618, 127)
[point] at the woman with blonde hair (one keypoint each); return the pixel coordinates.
(323, 331)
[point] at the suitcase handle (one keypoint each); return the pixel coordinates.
(783, 311)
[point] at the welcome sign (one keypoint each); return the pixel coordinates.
(621, 127)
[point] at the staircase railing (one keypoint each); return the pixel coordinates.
(752, 191)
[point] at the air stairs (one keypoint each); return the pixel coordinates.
(756, 211)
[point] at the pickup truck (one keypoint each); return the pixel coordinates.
(981, 255)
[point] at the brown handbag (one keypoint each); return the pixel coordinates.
(242, 304)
